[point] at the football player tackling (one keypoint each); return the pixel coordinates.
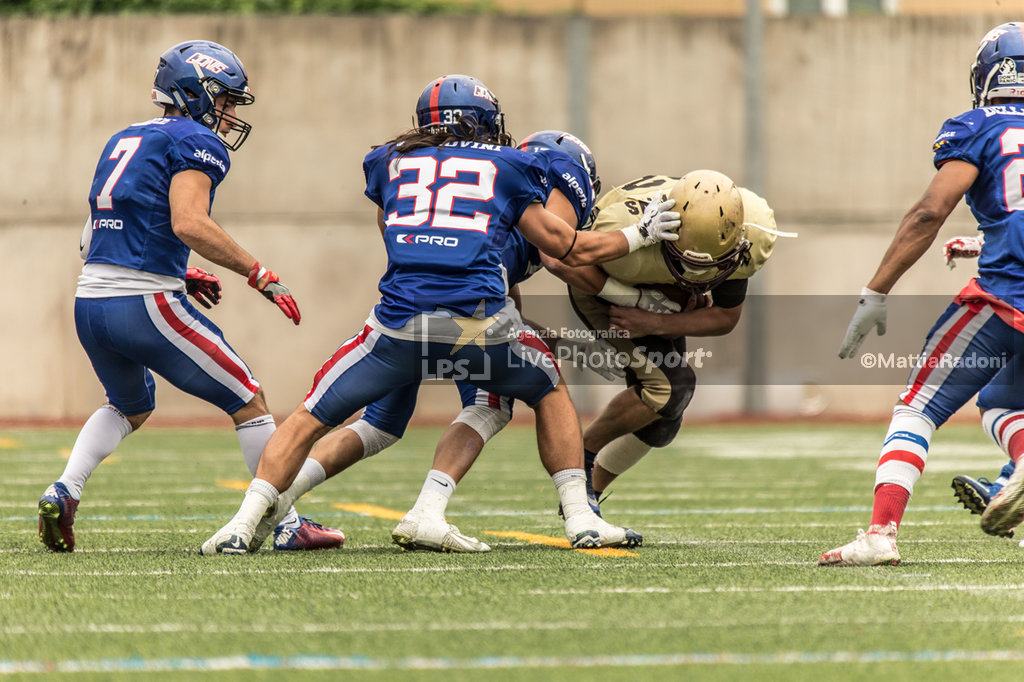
(448, 194)
(977, 154)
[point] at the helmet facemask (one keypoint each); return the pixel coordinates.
(702, 271)
(231, 129)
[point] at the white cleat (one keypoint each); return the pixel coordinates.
(234, 538)
(1005, 511)
(587, 530)
(876, 547)
(271, 520)
(434, 534)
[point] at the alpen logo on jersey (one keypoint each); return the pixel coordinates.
(1008, 74)
(581, 193)
(205, 156)
(433, 240)
(207, 62)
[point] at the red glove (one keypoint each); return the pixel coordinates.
(267, 283)
(962, 247)
(202, 286)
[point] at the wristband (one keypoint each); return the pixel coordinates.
(865, 293)
(633, 237)
(619, 293)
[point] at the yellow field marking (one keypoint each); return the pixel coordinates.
(234, 485)
(385, 513)
(9, 443)
(64, 452)
(556, 542)
(371, 510)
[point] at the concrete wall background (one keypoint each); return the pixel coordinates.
(851, 109)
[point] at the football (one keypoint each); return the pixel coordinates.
(686, 298)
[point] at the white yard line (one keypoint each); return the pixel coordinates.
(331, 662)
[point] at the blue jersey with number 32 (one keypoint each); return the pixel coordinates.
(992, 140)
(448, 212)
(131, 214)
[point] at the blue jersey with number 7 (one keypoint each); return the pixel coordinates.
(992, 140)
(131, 213)
(447, 213)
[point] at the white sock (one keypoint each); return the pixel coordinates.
(1002, 426)
(434, 495)
(253, 436)
(310, 476)
(260, 496)
(100, 435)
(905, 449)
(571, 485)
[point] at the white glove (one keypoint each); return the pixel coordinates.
(870, 313)
(594, 354)
(657, 224)
(654, 301)
(962, 247)
(622, 294)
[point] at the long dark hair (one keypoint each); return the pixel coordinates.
(464, 130)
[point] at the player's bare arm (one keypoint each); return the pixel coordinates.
(556, 238)
(922, 222)
(189, 197)
(713, 321)
(587, 278)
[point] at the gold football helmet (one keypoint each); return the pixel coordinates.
(712, 242)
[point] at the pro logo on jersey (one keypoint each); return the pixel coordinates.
(433, 240)
(207, 62)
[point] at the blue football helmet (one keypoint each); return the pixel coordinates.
(191, 75)
(998, 69)
(568, 144)
(449, 99)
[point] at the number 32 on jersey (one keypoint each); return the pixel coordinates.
(433, 208)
